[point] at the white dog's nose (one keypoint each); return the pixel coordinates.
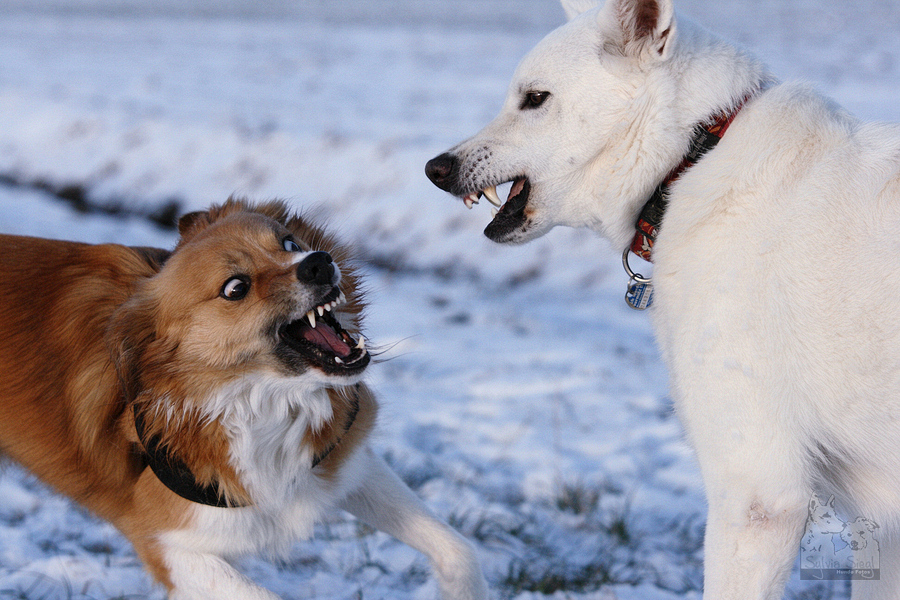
(317, 268)
(441, 170)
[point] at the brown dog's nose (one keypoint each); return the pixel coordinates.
(316, 269)
(441, 170)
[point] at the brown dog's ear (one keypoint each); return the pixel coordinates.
(189, 224)
(192, 223)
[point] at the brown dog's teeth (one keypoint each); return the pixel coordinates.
(361, 344)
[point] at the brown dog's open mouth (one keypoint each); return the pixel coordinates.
(319, 339)
(510, 215)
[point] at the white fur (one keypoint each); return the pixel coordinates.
(777, 302)
(266, 419)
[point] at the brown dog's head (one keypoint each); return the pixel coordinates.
(249, 289)
(253, 320)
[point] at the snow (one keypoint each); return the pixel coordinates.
(521, 398)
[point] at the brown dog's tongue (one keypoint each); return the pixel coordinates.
(325, 337)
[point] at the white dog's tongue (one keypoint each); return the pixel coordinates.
(325, 337)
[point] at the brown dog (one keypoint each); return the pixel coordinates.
(206, 401)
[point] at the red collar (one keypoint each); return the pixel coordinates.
(705, 139)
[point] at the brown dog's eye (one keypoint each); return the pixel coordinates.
(290, 245)
(235, 288)
(533, 100)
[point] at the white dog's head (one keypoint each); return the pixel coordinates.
(569, 113)
(596, 115)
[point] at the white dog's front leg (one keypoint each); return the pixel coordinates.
(751, 543)
(386, 503)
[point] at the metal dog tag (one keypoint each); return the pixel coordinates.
(639, 295)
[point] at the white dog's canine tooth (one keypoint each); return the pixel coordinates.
(312, 319)
(361, 344)
(469, 202)
(491, 194)
(338, 360)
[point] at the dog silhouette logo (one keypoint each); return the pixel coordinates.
(834, 549)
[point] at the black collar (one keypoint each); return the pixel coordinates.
(173, 473)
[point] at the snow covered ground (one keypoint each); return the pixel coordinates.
(521, 397)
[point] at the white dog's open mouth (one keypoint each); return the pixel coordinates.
(510, 215)
(320, 340)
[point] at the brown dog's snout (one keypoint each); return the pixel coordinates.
(441, 170)
(317, 268)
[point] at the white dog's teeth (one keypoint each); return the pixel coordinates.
(469, 202)
(361, 344)
(494, 212)
(321, 310)
(491, 194)
(312, 319)
(338, 360)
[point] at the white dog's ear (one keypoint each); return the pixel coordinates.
(573, 8)
(644, 25)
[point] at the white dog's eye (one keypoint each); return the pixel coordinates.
(235, 288)
(290, 245)
(533, 100)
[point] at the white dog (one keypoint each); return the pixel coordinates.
(777, 290)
